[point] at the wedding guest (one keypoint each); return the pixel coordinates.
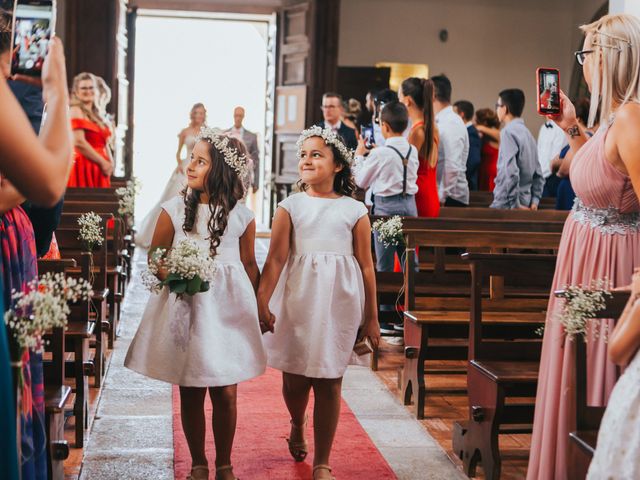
(519, 182)
(380, 99)
(331, 113)
(93, 164)
(551, 140)
(213, 341)
(453, 148)
(465, 109)
(417, 95)
(601, 238)
(488, 127)
(319, 263)
(250, 140)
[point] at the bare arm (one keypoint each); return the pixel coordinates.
(10, 197)
(276, 260)
(625, 338)
(568, 122)
(162, 237)
(492, 133)
(248, 254)
(626, 143)
(362, 252)
(39, 168)
(180, 144)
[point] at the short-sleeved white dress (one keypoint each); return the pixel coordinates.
(213, 338)
(319, 299)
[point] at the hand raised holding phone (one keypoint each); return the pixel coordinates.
(54, 72)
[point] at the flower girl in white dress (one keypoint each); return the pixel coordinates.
(317, 289)
(212, 340)
(617, 455)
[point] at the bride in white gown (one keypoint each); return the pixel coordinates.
(178, 179)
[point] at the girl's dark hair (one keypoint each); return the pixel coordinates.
(421, 91)
(487, 117)
(343, 183)
(5, 30)
(224, 187)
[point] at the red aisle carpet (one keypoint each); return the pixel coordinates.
(260, 450)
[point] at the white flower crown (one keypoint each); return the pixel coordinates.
(232, 156)
(330, 138)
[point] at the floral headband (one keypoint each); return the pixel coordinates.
(232, 156)
(330, 138)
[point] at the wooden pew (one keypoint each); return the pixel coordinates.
(582, 441)
(56, 393)
(535, 215)
(498, 371)
(484, 199)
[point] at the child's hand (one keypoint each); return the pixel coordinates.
(361, 149)
(267, 319)
(371, 329)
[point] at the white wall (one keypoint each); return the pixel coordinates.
(493, 44)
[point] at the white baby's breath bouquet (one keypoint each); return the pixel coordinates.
(389, 230)
(188, 268)
(90, 230)
(127, 197)
(44, 304)
(581, 305)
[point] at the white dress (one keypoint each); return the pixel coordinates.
(318, 302)
(213, 338)
(617, 455)
(175, 185)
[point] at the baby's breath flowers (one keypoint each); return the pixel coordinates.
(189, 269)
(127, 197)
(232, 157)
(90, 230)
(389, 230)
(330, 138)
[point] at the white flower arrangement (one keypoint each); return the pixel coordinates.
(581, 305)
(232, 157)
(90, 230)
(43, 305)
(189, 269)
(389, 230)
(330, 138)
(127, 197)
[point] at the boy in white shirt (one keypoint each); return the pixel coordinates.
(391, 171)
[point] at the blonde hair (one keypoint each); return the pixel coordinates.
(92, 113)
(104, 95)
(615, 40)
(193, 111)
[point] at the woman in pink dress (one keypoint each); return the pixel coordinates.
(601, 238)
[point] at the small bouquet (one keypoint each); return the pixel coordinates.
(127, 197)
(90, 230)
(189, 269)
(43, 305)
(581, 306)
(389, 231)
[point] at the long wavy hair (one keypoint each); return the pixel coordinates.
(343, 183)
(224, 187)
(94, 114)
(421, 91)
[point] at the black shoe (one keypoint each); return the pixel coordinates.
(387, 329)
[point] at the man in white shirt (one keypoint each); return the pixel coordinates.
(453, 148)
(391, 171)
(551, 140)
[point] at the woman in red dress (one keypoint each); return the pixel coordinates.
(93, 163)
(417, 94)
(488, 125)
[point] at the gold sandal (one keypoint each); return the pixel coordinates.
(224, 468)
(199, 472)
(317, 468)
(298, 450)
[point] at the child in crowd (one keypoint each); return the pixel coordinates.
(317, 292)
(618, 448)
(212, 340)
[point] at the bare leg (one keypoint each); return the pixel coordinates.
(224, 424)
(193, 422)
(327, 392)
(295, 390)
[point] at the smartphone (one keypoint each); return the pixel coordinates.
(366, 131)
(548, 91)
(33, 26)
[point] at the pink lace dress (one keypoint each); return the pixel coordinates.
(601, 239)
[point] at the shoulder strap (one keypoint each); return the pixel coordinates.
(405, 163)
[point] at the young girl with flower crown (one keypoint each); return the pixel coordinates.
(317, 292)
(211, 340)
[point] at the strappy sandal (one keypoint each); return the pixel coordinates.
(224, 468)
(317, 468)
(199, 472)
(300, 449)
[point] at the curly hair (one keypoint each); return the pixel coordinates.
(343, 183)
(5, 30)
(224, 187)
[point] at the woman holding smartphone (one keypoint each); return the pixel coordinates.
(601, 238)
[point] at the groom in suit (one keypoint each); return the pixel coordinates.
(332, 113)
(250, 140)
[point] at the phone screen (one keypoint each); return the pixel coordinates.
(367, 135)
(32, 30)
(548, 91)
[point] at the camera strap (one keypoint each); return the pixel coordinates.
(405, 163)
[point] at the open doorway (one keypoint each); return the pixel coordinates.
(183, 58)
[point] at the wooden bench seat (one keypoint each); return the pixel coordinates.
(508, 372)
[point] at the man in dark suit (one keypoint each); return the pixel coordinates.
(332, 113)
(250, 140)
(465, 109)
